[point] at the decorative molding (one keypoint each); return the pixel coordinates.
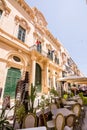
(39, 18)
(26, 8)
(7, 11)
(49, 46)
(4, 7)
(56, 52)
(17, 19)
(51, 38)
(38, 37)
(39, 29)
(22, 22)
(2, 4)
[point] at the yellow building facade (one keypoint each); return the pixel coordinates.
(27, 45)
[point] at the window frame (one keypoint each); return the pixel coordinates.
(1, 12)
(21, 33)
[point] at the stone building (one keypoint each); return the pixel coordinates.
(26, 44)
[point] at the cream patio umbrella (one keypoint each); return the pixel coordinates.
(74, 79)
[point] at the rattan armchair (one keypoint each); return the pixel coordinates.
(77, 110)
(80, 101)
(59, 122)
(29, 121)
(69, 122)
(53, 106)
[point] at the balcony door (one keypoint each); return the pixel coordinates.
(38, 78)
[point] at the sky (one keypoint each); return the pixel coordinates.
(67, 21)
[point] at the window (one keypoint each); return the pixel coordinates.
(50, 54)
(1, 13)
(64, 74)
(21, 34)
(17, 59)
(56, 60)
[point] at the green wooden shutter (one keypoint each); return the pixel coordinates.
(13, 76)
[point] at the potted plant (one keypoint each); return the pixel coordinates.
(32, 97)
(4, 122)
(20, 113)
(53, 92)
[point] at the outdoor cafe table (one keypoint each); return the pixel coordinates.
(64, 111)
(74, 98)
(70, 103)
(39, 111)
(39, 114)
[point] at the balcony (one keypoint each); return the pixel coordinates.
(38, 49)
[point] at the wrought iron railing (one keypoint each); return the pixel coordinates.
(43, 52)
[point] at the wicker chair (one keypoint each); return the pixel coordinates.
(80, 101)
(59, 122)
(30, 121)
(53, 106)
(70, 121)
(77, 110)
(63, 101)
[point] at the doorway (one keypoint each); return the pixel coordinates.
(13, 75)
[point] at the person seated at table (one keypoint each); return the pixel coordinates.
(61, 103)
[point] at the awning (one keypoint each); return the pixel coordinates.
(74, 79)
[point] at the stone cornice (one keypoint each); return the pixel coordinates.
(39, 18)
(52, 39)
(26, 7)
(39, 29)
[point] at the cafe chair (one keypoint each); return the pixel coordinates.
(59, 122)
(77, 110)
(69, 122)
(63, 101)
(29, 121)
(53, 106)
(80, 101)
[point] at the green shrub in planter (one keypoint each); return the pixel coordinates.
(65, 96)
(81, 94)
(53, 92)
(71, 94)
(84, 100)
(20, 113)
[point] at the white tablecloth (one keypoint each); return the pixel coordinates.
(35, 128)
(63, 111)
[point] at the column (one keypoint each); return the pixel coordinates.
(33, 69)
(54, 79)
(46, 74)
